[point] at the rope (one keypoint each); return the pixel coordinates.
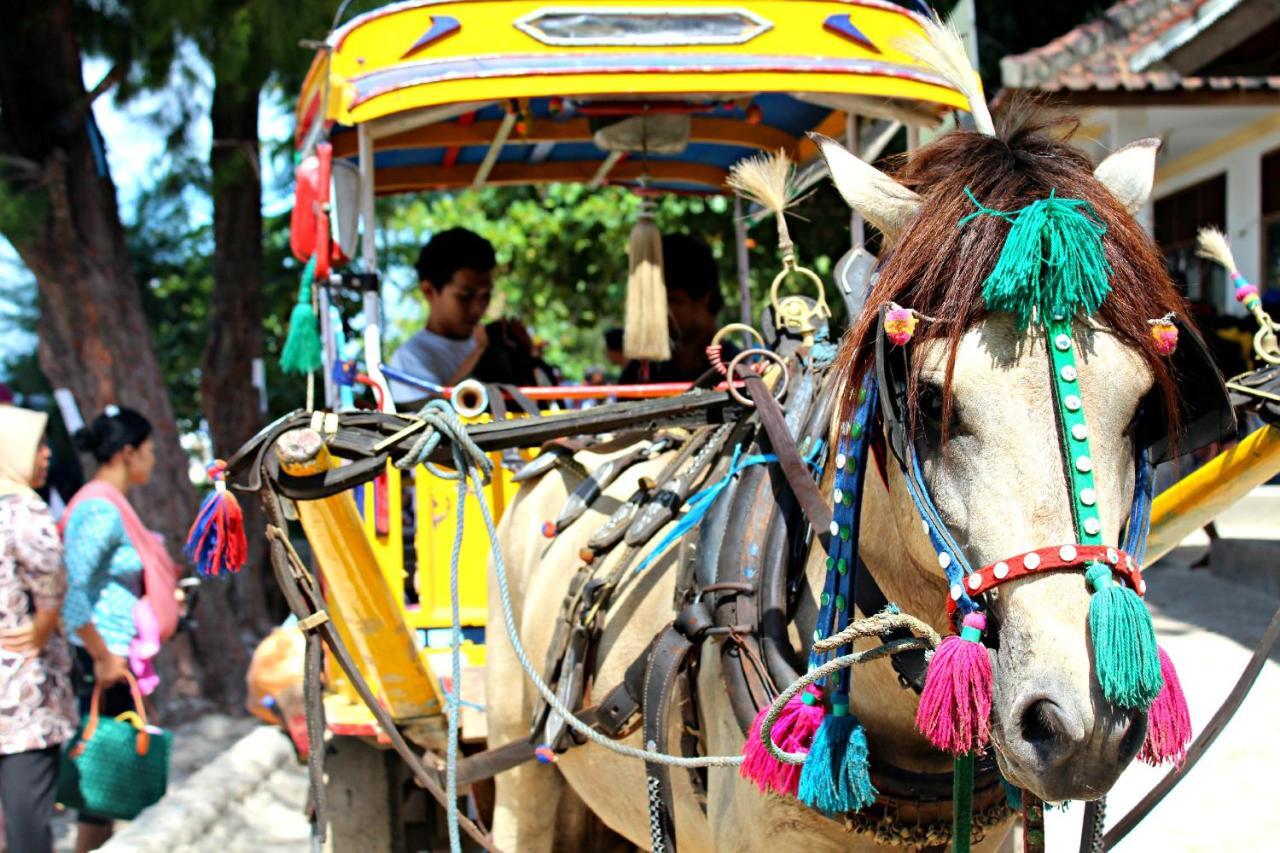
(873, 626)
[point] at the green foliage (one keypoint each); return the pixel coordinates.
(562, 254)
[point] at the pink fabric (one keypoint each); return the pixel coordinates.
(955, 706)
(1168, 721)
(792, 732)
(156, 613)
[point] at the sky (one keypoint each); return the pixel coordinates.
(137, 153)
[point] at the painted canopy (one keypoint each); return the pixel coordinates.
(459, 93)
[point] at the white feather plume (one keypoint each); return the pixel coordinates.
(1212, 244)
(943, 52)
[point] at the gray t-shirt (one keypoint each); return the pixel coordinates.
(428, 356)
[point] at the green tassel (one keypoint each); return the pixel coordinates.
(1053, 263)
(1124, 643)
(836, 777)
(302, 348)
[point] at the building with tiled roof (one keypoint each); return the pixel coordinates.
(1204, 77)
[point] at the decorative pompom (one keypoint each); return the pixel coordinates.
(836, 778)
(955, 707)
(216, 541)
(793, 732)
(545, 754)
(1244, 291)
(1168, 721)
(549, 529)
(1124, 643)
(900, 325)
(1165, 334)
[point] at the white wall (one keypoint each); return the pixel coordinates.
(1187, 130)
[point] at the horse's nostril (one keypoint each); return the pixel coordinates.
(1044, 727)
(1135, 732)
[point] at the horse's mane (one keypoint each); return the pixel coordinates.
(938, 268)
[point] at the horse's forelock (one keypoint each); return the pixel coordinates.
(938, 268)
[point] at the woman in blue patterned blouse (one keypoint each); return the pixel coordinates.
(105, 574)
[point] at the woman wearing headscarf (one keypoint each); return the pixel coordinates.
(37, 706)
(120, 604)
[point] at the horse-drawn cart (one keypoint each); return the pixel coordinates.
(660, 561)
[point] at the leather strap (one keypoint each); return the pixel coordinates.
(793, 466)
(669, 655)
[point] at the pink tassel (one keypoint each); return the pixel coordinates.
(793, 732)
(955, 707)
(1168, 721)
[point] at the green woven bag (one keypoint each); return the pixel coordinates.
(115, 767)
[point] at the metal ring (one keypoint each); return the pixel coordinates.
(768, 355)
(469, 398)
(821, 310)
(736, 327)
(1265, 344)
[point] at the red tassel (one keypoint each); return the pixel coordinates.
(1168, 721)
(793, 732)
(955, 707)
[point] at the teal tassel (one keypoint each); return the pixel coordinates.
(1012, 795)
(302, 348)
(836, 777)
(1124, 643)
(1053, 263)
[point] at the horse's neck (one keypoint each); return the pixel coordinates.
(901, 565)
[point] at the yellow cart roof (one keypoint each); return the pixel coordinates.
(461, 93)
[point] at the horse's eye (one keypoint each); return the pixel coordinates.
(930, 404)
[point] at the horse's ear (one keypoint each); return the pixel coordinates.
(881, 200)
(1130, 172)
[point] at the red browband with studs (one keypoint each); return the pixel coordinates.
(1053, 559)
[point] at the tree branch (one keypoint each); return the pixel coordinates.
(76, 114)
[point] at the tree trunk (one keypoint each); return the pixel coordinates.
(58, 208)
(231, 404)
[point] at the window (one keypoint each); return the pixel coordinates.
(1270, 275)
(1178, 217)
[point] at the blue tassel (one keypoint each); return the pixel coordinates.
(836, 778)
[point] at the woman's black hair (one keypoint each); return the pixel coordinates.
(113, 431)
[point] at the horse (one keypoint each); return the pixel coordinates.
(982, 414)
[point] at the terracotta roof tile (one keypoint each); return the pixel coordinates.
(1098, 55)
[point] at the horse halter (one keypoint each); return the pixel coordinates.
(1051, 237)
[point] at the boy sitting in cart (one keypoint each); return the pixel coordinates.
(455, 272)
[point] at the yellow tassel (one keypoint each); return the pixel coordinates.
(645, 335)
(1212, 244)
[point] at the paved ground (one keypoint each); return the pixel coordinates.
(1209, 625)
(269, 819)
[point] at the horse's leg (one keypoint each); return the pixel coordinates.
(527, 798)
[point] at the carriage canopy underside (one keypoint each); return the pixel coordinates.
(471, 93)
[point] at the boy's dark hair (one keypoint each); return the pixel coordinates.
(689, 267)
(113, 431)
(453, 250)
(613, 338)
